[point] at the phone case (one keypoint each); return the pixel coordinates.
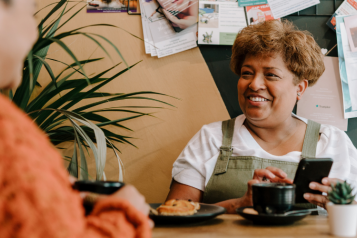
(310, 170)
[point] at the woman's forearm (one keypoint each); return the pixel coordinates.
(231, 205)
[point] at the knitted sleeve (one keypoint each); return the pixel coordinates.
(36, 198)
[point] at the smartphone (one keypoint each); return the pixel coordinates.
(310, 170)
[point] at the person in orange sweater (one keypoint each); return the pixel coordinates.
(36, 197)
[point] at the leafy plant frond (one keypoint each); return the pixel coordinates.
(55, 108)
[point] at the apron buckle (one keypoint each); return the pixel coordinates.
(226, 148)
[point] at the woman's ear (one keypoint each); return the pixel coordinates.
(301, 87)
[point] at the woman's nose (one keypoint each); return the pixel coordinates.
(257, 83)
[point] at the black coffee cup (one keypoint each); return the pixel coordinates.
(273, 198)
(99, 187)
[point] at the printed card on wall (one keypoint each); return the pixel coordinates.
(348, 7)
(99, 6)
(244, 3)
(181, 13)
(219, 22)
(351, 27)
(259, 13)
(282, 8)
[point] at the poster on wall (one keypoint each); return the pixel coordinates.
(348, 7)
(259, 13)
(159, 33)
(323, 102)
(219, 22)
(181, 13)
(244, 3)
(106, 6)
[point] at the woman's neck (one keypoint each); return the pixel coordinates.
(282, 138)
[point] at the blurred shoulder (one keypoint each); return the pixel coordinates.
(18, 129)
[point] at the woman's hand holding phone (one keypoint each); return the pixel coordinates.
(324, 187)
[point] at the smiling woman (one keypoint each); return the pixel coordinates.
(276, 63)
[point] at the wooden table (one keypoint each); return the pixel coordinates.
(236, 226)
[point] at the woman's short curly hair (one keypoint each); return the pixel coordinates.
(299, 50)
(7, 2)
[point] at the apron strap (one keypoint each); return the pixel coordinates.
(226, 148)
(310, 141)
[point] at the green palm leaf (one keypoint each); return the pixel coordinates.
(55, 108)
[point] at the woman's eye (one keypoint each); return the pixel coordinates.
(272, 75)
(247, 73)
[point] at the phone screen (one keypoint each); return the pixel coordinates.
(310, 170)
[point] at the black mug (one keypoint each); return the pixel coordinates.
(273, 198)
(98, 187)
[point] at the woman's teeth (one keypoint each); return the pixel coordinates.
(257, 99)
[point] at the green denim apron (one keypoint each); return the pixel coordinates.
(232, 173)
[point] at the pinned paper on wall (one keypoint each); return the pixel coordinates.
(219, 22)
(160, 37)
(259, 13)
(343, 61)
(348, 7)
(282, 8)
(106, 6)
(351, 30)
(323, 102)
(244, 3)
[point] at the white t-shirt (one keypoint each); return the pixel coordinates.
(196, 163)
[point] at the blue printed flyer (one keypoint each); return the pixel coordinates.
(244, 3)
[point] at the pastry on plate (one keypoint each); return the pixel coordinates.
(176, 207)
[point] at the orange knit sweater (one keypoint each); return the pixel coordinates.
(36, 199)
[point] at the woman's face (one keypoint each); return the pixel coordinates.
(18, 32)
(266, 90)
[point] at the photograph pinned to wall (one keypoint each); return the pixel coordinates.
(153, 10)
(259, 13)
(133, 7)
(348, 7)
(106, 6)
(351, 28)
(181, 13)
(208, 15)
(245, 3)
(219, 22)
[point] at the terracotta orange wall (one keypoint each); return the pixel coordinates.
(160, 139)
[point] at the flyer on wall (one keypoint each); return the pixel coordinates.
(162, 39)
(348, 7)
(106, 6)
(244, 3)
(323, 102)
(181, 13)
(351, 29)
(347, 100)
(219, 22)
(259, 13)
(282, 8)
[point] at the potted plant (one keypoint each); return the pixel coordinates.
(342, 210)
(54, 107)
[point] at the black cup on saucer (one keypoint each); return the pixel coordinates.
(98, 187)
(273, 198)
